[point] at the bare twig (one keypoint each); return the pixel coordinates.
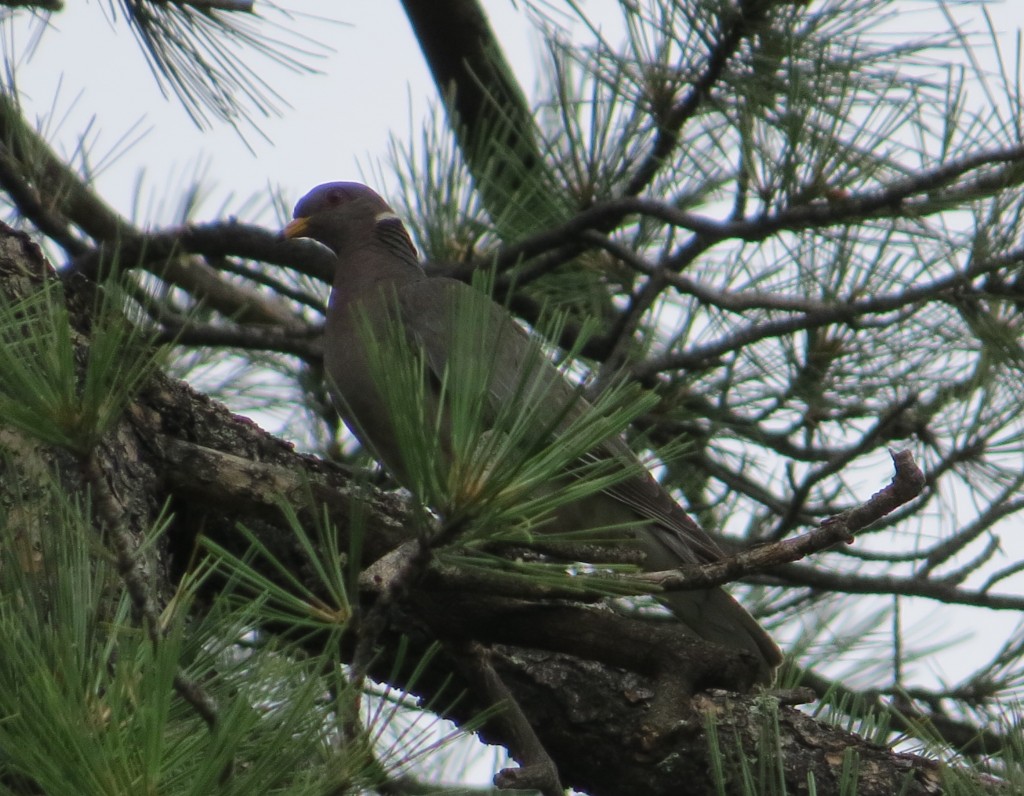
(245, 6)
(895, 200)
(847, 583)
(906, 484)
(839, 312)
(867, 442)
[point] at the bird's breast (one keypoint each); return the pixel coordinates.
(353, 327)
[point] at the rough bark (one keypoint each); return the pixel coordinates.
(616, 717)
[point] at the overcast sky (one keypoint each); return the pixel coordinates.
(373, 84)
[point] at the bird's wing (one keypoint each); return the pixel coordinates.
(519, 372)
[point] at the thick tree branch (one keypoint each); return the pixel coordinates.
(217, 239)
(44, 5)
(307, 345)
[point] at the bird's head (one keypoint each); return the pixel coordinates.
(338, 214)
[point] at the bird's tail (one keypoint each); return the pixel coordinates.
(715, 616)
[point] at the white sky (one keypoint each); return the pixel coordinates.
(374, 84)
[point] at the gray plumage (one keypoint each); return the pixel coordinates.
(377, 278)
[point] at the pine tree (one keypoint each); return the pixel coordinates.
(778, 249)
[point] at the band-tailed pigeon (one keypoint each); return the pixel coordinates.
(379, 282)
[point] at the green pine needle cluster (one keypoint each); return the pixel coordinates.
(49, 390)
(500, 455)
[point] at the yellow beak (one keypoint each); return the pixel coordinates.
(296, 228)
